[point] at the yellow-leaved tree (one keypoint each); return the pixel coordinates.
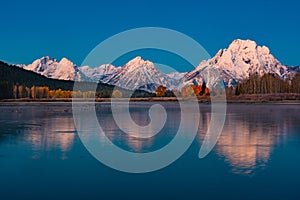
(117, 94)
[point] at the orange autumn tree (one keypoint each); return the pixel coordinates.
(206, 92)
(197, 89)
(161, 91)
(192, 90)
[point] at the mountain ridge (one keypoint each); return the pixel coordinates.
(234, 64)
(52, 68)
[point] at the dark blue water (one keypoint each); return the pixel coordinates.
(257, 156)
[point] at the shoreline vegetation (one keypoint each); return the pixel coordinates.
(243, 98)
(19, 85)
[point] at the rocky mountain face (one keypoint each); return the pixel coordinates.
(241, 59)
(137, 74)
(236, 63)
(61, 70)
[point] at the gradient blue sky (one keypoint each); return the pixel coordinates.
(32, 29)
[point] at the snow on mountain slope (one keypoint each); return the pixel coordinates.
(51, 68)
(241, 59)
(99, 73)
(176, 75)
(138, 74)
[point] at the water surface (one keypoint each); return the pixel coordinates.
(256, 157)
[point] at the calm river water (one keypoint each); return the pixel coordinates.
(256, 157)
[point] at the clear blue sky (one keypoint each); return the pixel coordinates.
(32, 29)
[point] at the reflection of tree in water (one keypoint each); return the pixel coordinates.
(250, 133)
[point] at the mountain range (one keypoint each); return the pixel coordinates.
(241, 59)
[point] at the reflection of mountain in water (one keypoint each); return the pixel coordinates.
(46, 131)
(246, 148)
(249, 135)
(140, 116)
(58, 135)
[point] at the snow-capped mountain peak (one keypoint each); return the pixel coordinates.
(238, 45)
(138, 62)
(138, 74)
(66, 62)
(241, 59)
(231, 65)
(51, 68)
(135, 61)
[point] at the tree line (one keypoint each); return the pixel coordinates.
(9, 91)
(266, 84)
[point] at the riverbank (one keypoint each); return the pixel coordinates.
(245, 98)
